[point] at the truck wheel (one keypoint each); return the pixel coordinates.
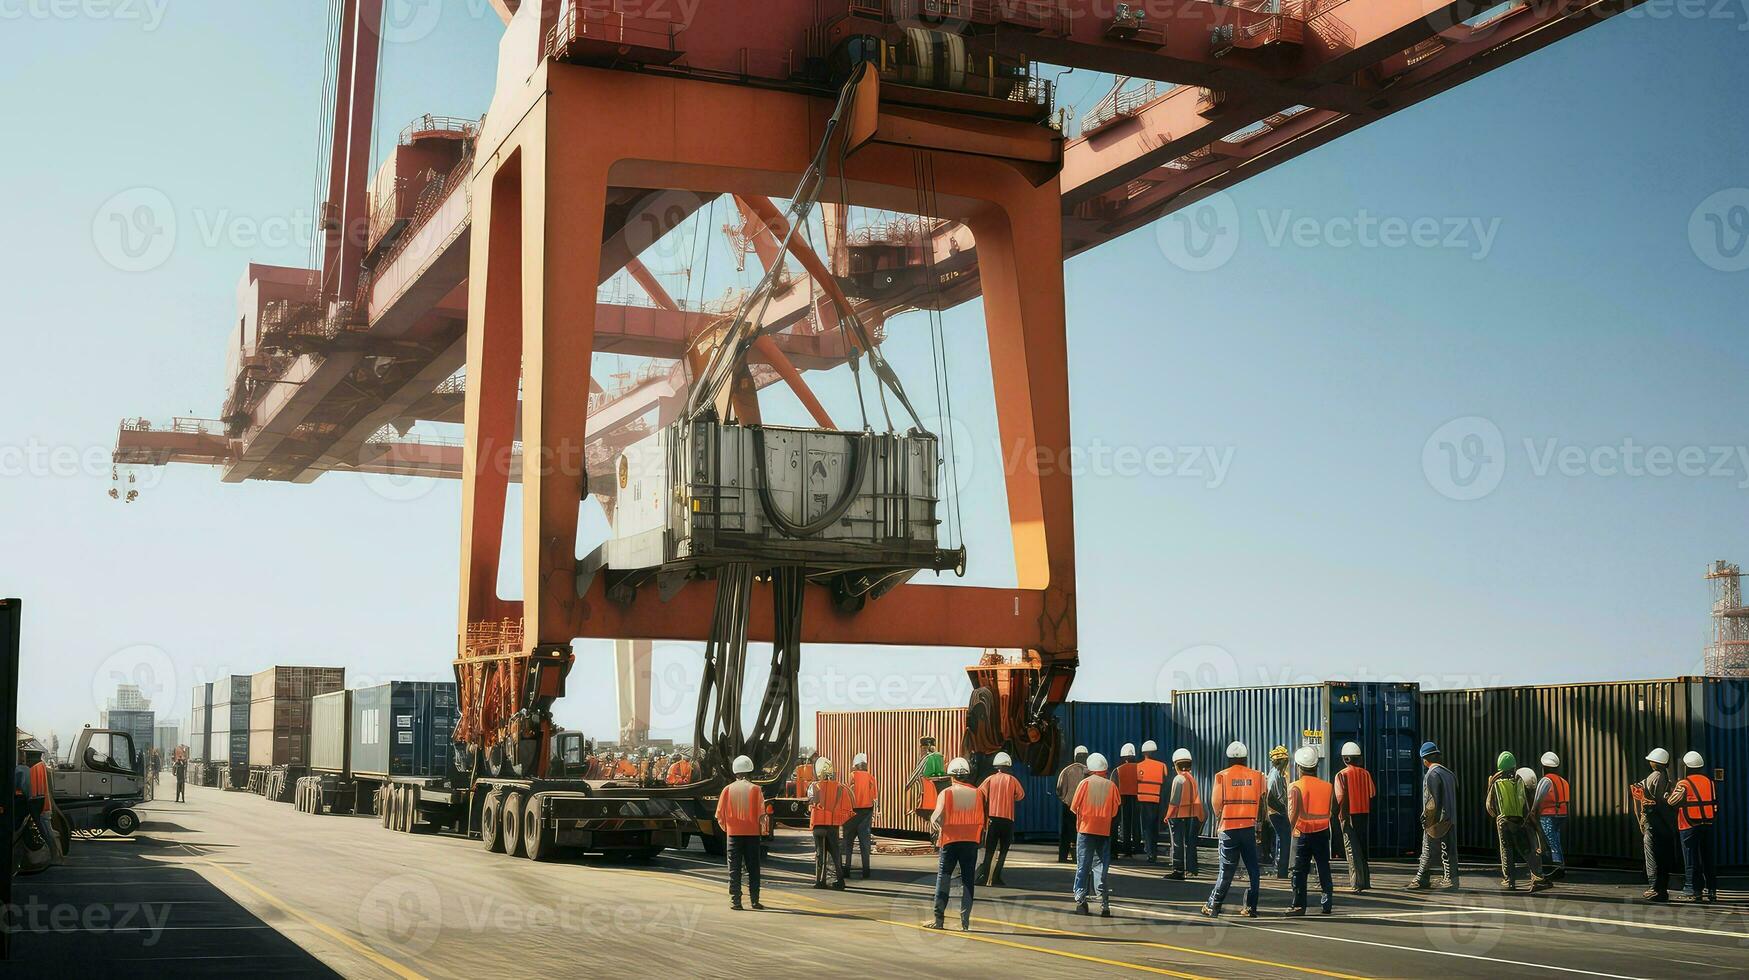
(412, 809)
(491, 816)
(537, 835)
(123, 821)
(513, 807)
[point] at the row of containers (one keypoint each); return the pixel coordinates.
(1602, 732)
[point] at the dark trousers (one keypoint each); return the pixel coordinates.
(1699, 873)
(1184, 833)
(998, 835)
(1660, 844)
(826, 845)
(743, 853)
(1129, 826)
(1066, 834)
(1236, 846)
(1310, 847)
(963, 856)
(181, 785)
(1148, 811)
(1354, 830)
(859, 833)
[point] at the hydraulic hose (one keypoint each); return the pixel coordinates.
(861, 450)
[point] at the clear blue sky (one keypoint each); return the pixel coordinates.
(1574, 310)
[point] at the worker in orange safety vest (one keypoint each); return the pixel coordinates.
(1310, 803)
(740, 816)
(1549, 805)
(1000, 792)
(1150, 784)
(1127, 839)
(679, 771)
(957, 823)
(1096, 806)
(1237, 803)
(804, 777)
(864, 794)
(1184, 815)
(1696, 800)
(828, 811)
(1354, 793)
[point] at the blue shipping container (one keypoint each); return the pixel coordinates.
(1725, 714)
(1383, 719)
(1102, 726)
(403, 728)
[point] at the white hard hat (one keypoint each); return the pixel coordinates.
(1527, 774)
(823, 767)
(1236, 750)
(742, 765)
(1659, 756)
(1551, 760)
(1149, 746)
(1003, 759)
(1181, 755)
(1096, 763)
(1693, 760)
(1306, 757)
(1129, 749)
(860, 760)
(959, 767)
(1080, 750)
(1350, 750)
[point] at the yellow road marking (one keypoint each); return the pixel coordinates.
(1180, 949)
(379, 959)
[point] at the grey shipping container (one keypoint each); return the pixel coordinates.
(141, 725)
(229, 718)
(1382, 718)
(330, 731)
(279, 715)
(403, 728)
(1602, 732)
(200, 729)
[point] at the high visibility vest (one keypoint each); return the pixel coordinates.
(1150, 779)
(1555, 804)
(804, 778)
(1189, 801)
(831, 806)
(1126, 779)
(39, 781)
(1509, 796)
(933, 768)
(1095, 805)
(680, 773)
(863, 789)
(1357, 788)
(1241, 791)
(740, 809)
(1316, 796)
(1000, 792)
(962, 815)
(1700, 804)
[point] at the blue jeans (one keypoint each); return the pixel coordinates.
(1236, 845)
(1284, 842)
(1308, 848)
(1553, 828)
(1699, 873)
(962, 855)
(1184, 844)
(1093, 859)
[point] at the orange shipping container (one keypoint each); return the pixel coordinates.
(889, 739)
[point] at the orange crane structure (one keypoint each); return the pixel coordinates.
(462, 283)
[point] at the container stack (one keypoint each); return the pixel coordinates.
(279, 713)
(200, 728)
(403, 728)
(140, 725)
(229, 714)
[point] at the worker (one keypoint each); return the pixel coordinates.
(957, 822)
(740, 814)
(828, 811)
(1550, 804)
(1150, 781)
(1508, 804)
(999, 793)
(804, 776)
(1438, 820)
(1696, 802)
(1275, 800)
(1184, 814)
(1237, 802)
(864, 792)
(679, 771)
(1067, 781)
(1128, 838)
(627, 767)
(929, 773)
(1354, 794)
(1657, 818)
(1096, 804)
(181, 767)
(1309, 804)
(1527, 776)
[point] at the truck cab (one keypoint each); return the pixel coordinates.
(101, 783)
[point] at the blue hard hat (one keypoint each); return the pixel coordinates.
(1428, 748)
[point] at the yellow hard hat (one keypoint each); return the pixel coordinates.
(1279, 752)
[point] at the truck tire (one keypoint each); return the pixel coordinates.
(491, 818)
(513, 807)
(123, 821)
(537, 835)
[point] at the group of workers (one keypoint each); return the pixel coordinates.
(652, 768)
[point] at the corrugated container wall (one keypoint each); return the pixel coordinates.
(1725, 707)
(330, 731)
(890, 738)
(1602, 733)
(1382, 718)
(1104, 727)
(229, 719)
(279, 712)
(403, 728)
(200, 734)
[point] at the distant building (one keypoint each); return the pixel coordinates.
(129, 697)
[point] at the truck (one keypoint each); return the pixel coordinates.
(98, 787)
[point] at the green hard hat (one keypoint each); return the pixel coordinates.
(1507, 762)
